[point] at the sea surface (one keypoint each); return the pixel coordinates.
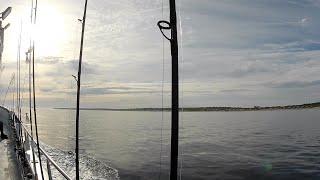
(213, 145)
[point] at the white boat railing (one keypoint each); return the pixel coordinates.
(24, 137)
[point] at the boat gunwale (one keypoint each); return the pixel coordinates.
(63, 173)
(48, 157)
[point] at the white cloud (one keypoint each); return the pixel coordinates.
(235, 52)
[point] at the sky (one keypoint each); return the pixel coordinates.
(232, 53)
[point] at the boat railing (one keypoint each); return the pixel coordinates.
(25, 138)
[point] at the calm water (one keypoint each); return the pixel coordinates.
(214, 145)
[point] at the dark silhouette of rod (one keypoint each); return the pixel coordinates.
(78, 91)
(18, 78)
(35, 111)
(172, 25)
(19, 74)
(30, 111)
(34, 93)
(18, 61)
(28, 60)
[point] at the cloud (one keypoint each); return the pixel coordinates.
(49, 60)
(235, 91)
(296, 84)
(252, 50)
(107, 91)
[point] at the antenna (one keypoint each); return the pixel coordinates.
(7, 26)
(6, 13)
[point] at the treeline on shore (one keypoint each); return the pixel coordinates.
(199, 109)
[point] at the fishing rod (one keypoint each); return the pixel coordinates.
(34, 92)
(18, 83)
(29, 118)
(17, 68)
(28, 60)
(35, 111)
(18, 73)
(83, 21)
(172, 25)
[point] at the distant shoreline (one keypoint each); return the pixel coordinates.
(207, 109)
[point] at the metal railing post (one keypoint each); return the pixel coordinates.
(49, 170)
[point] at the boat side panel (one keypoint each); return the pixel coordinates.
(9, 168)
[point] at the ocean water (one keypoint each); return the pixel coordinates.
(213, 145)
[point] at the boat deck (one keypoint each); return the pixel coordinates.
(9, 168)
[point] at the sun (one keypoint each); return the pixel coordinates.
(50, 32)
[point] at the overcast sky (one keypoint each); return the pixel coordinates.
(232, 53)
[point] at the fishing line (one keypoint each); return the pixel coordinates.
(13, 89)
(18, 74)
(23, 99)
(12, 92)
(17, 86)
(17, 82)
(19, 69)
(181, 85)
(71, 84)
(31, 16)
(5, 96)
(162, 97)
